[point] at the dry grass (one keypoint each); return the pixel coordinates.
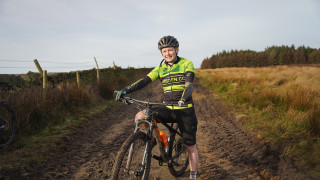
(34, 112)
(44, 123)
(284, 105)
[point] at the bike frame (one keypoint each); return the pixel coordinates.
(152, 124)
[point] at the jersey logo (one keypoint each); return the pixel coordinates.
(173, 80)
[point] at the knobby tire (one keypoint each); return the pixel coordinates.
(119, 171)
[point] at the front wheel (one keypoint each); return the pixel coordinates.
(8, 125)
(134, 158)
(179, 157)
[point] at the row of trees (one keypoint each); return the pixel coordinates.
(275, 55)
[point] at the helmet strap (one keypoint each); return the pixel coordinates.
(175, 49)
(161, 62)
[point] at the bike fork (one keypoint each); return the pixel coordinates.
(144, 158)
(145, 153)
(129, 157)
(143, 162)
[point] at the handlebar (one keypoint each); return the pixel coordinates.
(129, 100)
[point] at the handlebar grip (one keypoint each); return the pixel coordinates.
(185, 105)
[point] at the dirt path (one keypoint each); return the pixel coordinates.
(226, 150)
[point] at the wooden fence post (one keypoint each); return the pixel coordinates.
(114, 65)
(98, 71)
(78, 79)
(45, 79)
(38, 66)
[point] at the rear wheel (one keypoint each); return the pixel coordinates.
(8, 125)
(134, 158)
(179, 157)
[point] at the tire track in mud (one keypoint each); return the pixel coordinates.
(226, 150)
(88, 152)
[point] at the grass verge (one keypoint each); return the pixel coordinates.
(281, 105)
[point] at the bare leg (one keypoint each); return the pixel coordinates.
(140, 115)
(193, 158)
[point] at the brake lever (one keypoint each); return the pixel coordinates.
(126, 101)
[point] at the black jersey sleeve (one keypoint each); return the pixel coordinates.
(138, 84)
(189, 76)
(188, 86)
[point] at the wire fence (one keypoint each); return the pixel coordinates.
(54, 65)
(45, 73)
(50, 65)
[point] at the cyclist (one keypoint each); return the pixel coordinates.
(176, 74)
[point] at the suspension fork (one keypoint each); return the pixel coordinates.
(137, 127)
(149, 138)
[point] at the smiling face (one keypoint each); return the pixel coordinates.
(169, 54)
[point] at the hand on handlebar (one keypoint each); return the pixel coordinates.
(119, 94)
(181, 103)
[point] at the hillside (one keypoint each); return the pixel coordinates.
(280, 104)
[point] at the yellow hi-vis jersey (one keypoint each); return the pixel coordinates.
(173, 78)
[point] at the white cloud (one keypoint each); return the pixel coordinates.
(127, 31)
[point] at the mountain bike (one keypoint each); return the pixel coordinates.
(134, 157)
(8, 124)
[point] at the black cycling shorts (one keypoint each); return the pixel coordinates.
(186, 119)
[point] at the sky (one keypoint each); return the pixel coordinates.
(66, 35)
